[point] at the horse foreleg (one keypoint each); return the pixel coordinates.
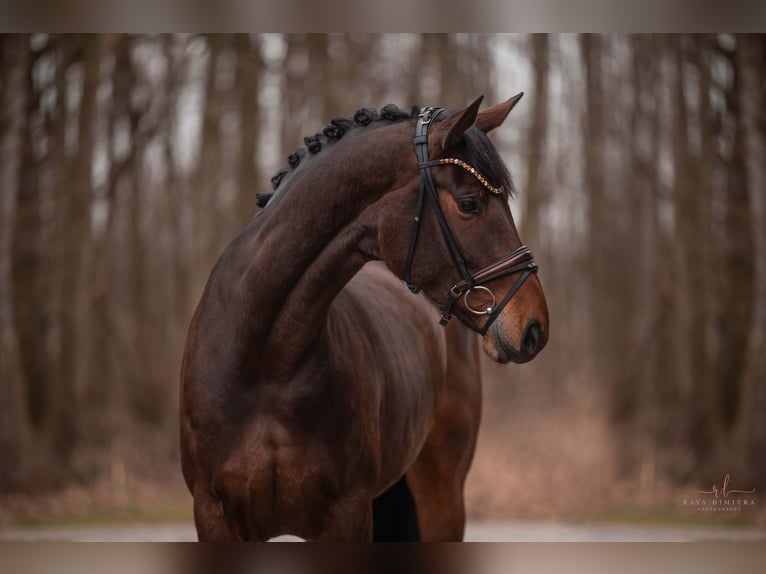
(437, 477)
(350, 520)
(209, 519)
(438, 494)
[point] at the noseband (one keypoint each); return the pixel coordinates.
(519, 260)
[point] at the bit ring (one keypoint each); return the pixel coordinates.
(487, 310)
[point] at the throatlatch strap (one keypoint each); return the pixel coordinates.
(421, 136)
(413, 240)
(421, 151)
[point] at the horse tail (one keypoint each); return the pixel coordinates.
(394, 516)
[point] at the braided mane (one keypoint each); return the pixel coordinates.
(479, 151)
(335, 130)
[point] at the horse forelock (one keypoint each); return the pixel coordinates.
(480, 152)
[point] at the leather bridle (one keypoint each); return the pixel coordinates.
(519, 260)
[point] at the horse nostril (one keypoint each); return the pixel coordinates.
(533, 339)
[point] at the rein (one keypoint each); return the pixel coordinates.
(519, 260)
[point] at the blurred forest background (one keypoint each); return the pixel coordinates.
(127, 163)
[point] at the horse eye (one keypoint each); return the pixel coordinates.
(468, 205)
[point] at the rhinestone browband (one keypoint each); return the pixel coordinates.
(473, 172)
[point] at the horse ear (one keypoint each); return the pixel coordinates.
(495, 115)
(449, 132)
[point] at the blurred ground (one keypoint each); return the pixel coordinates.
(544, 470)
(546, 452)
(476, 532)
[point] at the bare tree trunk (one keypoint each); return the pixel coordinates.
(535, 193)
(294, 110)
(414, 76)
(319, 84)
(591, 47)
(481, 68)
(692, 228)
(176, 205)
(630, 284)
(751, 53)
(599, 236)
(701, 434)
(61, 395)
(437, 67)
(73, 205)
(30, 290)
(106, 375)
(613, 229)
(206, 178)
(145, 392)
(439, 48)
(13, 422)
(248, 53)
(362, 54)
(665, 388)
(738, 267)
(349, 58)
(706, 263)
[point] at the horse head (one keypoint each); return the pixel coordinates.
(448, 230)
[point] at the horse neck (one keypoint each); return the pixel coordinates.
(312, 242)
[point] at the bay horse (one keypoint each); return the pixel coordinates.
(319, 396)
